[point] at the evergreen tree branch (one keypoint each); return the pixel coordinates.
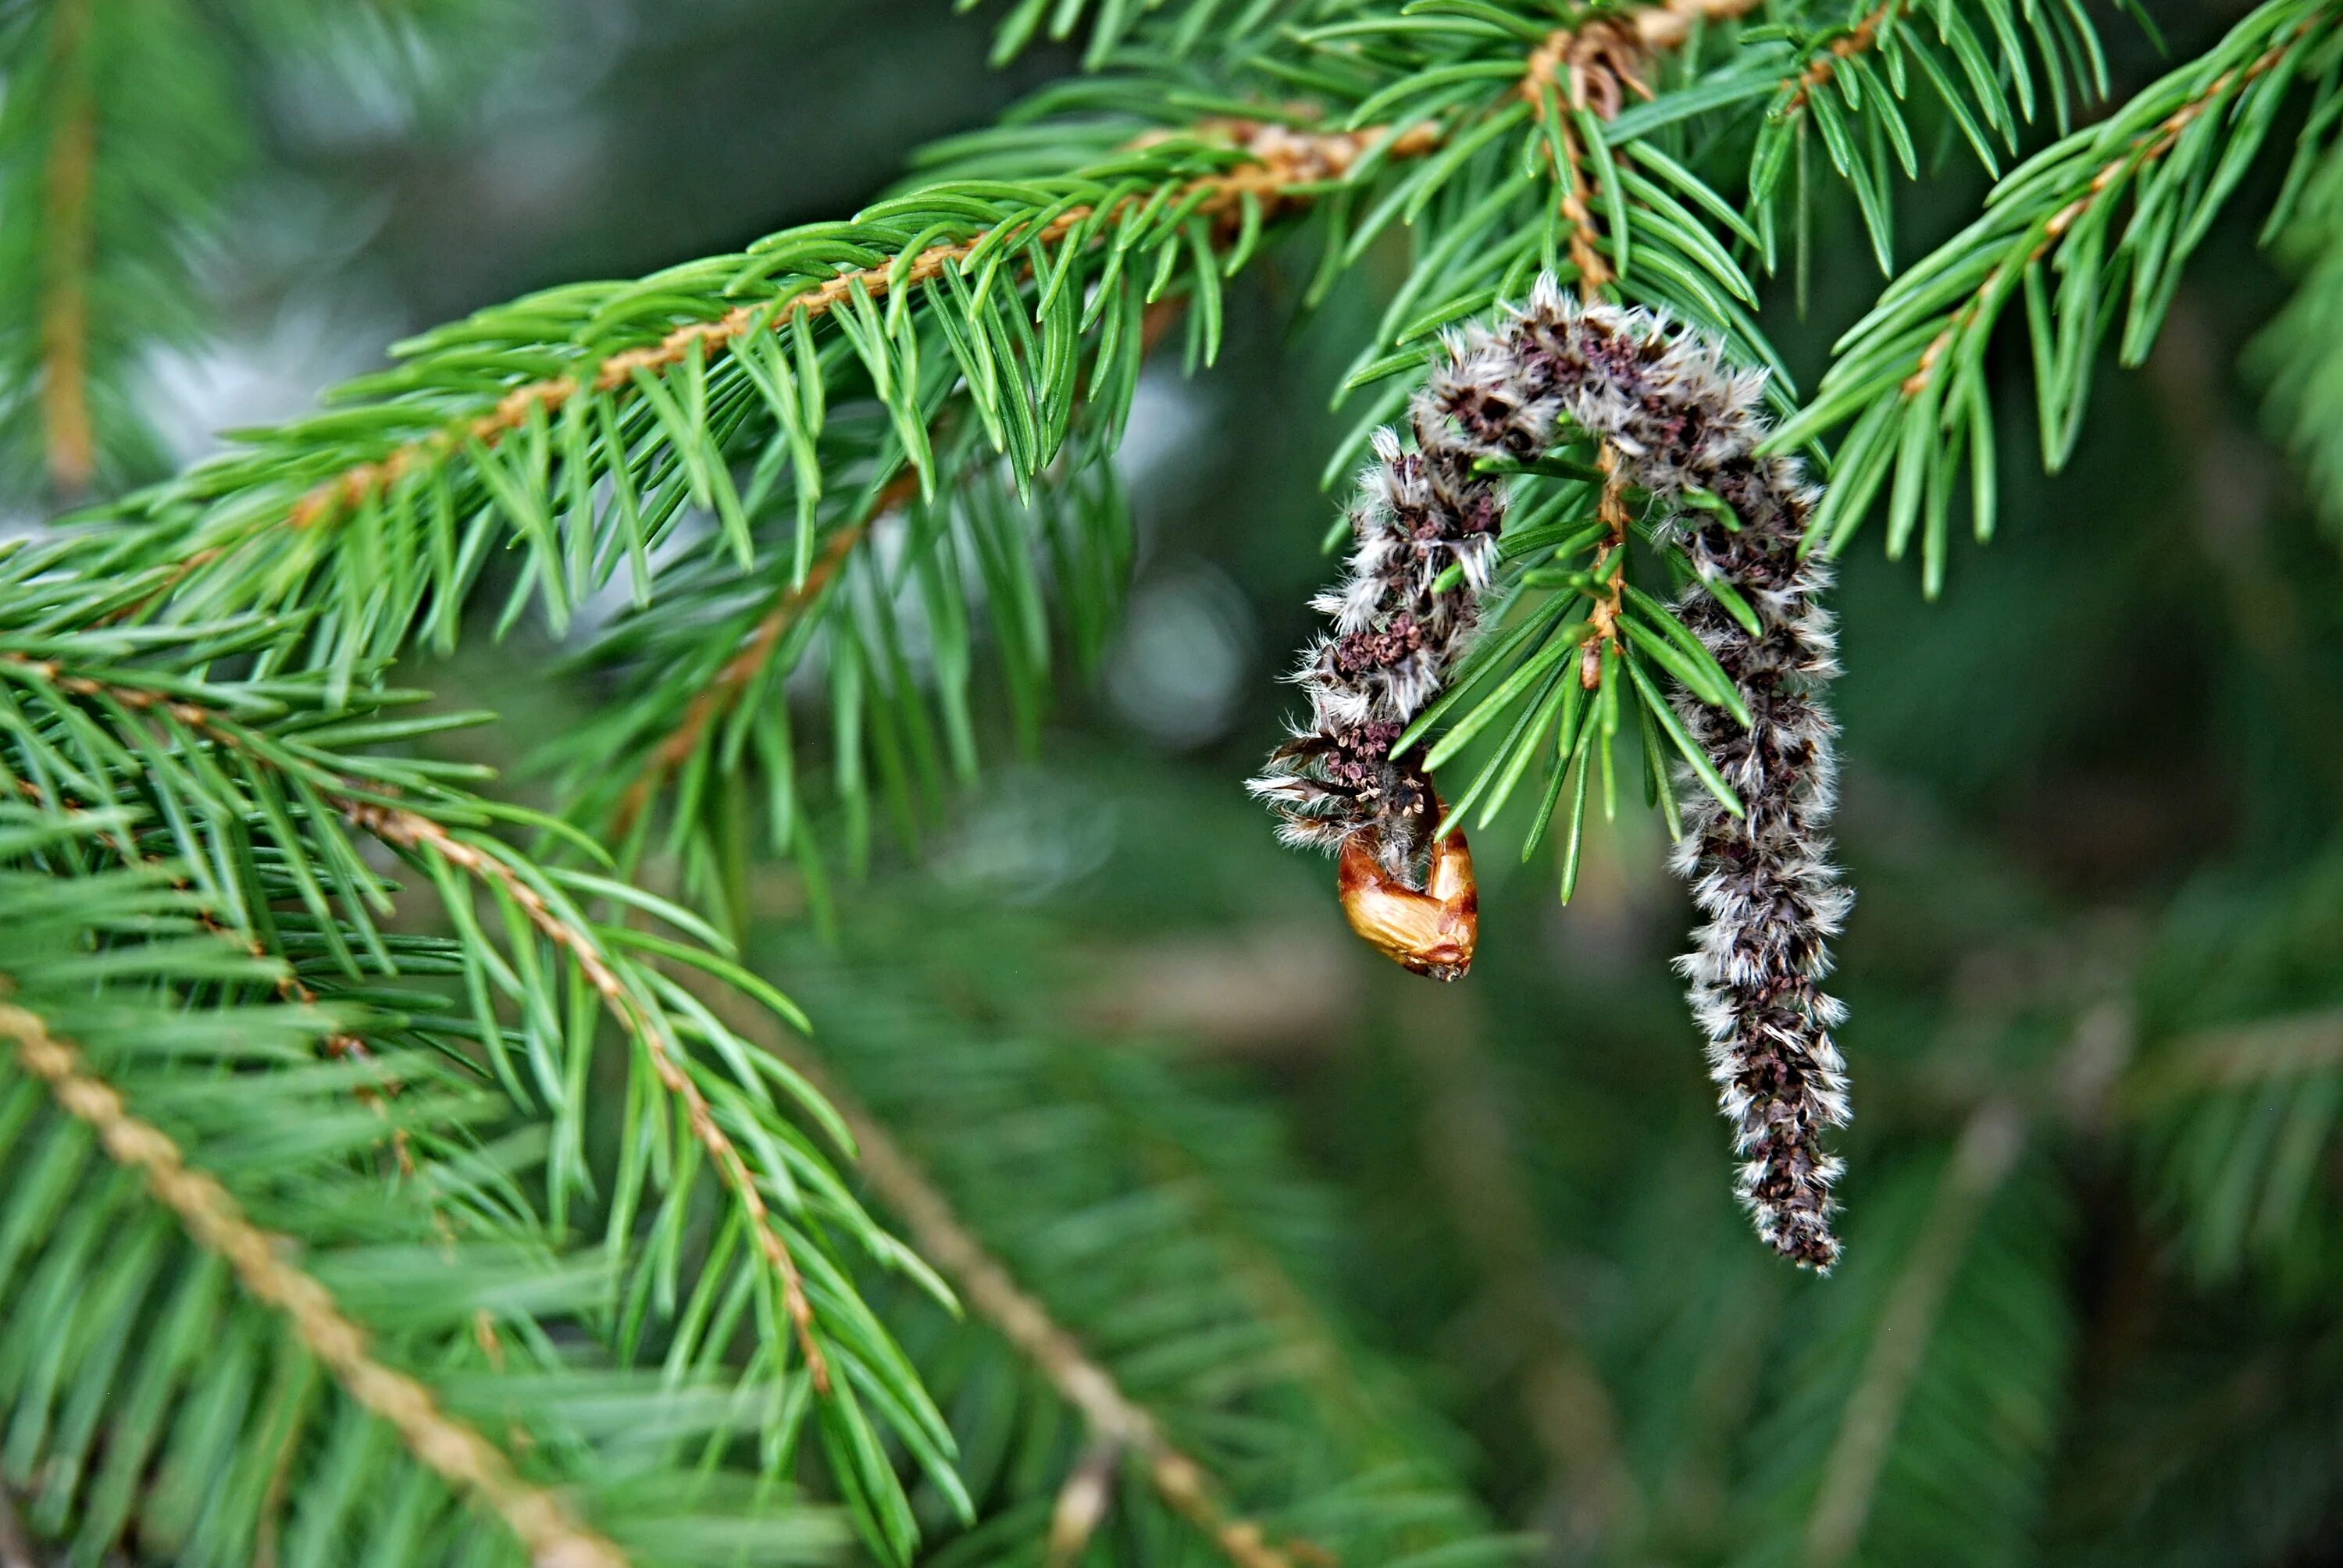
(656, 417)
(451, 1449)
(785, 606)
(288, 985)
(1115, 1420)
(2295, 356)
(119, 138)
(1910, 375)
(70, 441)
(1153, 1220)
(1850, 81)
(711, 702)
(1825, 64)
(410, 830)
(255, 797)
(2145, 151)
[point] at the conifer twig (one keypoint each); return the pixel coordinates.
(1593, 80)
(288, 985)
(1669, 26)
(448, 1447)
(1597, 57)
(412, 829)
(1283, 158)
(783, 610)
(715, 700)
(1116, 1421)
(68, 438)
(1859, 39)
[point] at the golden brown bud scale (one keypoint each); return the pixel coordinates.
(1429, 931)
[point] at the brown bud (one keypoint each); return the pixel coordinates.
(1430, 931)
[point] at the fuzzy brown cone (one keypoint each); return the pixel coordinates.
(1429, 931)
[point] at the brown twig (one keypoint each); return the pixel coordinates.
(289, 985)
(1590, 66)
(1668, 26)
(994, 1294)
(68, 434)
(715, 700)
(1603, 614)
(1594, 76)
(2144, 150)
(782, 612)
(1114, 1420)
(1283, 159)
(1598, 60)
(413, 830)
(450, 1449)
(1988, 1150)
(1855, 40)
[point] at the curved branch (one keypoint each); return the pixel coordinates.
(411, 830)
(450, 1449)
(1117, 1423)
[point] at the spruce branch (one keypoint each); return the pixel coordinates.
(1116, 1422)
(289, 986)
(783, 610)
(1747, 644)
(656, 418)
(1825, 65)
(745, 668)
(119, 137)
(788, 603)
(2144, 150)
(70, 441)
(409, 829)
(1910, 375)
(450, 1448)
(259, 800)
(1624, 212)
(1988, 1149)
